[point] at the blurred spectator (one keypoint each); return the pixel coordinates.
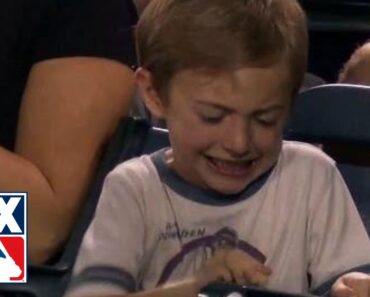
(357, 69)
(65, 81)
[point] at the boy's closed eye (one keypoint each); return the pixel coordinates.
(216, 116)
(211, 115)
(267, 119)
(211, 119)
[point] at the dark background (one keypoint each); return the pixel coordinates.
(337, 28)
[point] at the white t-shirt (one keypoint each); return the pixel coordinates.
(153, 227)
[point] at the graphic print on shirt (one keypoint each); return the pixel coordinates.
(195, 253)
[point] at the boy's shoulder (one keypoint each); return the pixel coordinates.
(305, 165)
(304, 153)
(137, 169)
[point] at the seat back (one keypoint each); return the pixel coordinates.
(337, 116)
(358, 182)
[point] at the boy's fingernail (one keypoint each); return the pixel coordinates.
(266, 270)
(260, 280)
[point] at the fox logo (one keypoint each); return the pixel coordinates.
(9, 269)
(13, 237)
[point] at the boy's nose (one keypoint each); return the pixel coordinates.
(237, 140)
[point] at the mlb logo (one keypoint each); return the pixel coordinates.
(13, 237)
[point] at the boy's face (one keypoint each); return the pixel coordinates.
(226, 129)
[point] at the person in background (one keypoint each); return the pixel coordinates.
(65, 81)
(357, 69)
(229, 200)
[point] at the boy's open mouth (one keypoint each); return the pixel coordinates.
(231, 168)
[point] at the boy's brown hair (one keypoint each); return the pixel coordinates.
(220, 35)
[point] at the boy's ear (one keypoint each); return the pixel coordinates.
(149, 94)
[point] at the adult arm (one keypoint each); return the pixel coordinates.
(69, 110)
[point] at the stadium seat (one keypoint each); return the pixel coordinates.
(337, 116)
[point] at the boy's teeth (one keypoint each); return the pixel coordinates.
(231, 167)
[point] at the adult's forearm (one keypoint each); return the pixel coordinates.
(69, 111)
(17, 174)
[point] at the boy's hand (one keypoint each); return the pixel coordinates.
(353, 284)
(232, 265)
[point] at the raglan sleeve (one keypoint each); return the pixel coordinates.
(110, 256)
(337, 239)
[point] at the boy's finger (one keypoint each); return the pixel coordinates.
(260, 280)
(239, 277)
(224, 275)
(255, 278)
(265, 269)
(339, 289)
(254, 264)
(259, 267)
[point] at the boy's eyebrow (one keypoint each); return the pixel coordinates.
(276, 107)
(268, 109)
(214, 105)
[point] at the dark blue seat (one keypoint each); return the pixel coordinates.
(148, 140)
(338, 117)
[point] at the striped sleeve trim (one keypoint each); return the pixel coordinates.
(104, 274)
(324, 289)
